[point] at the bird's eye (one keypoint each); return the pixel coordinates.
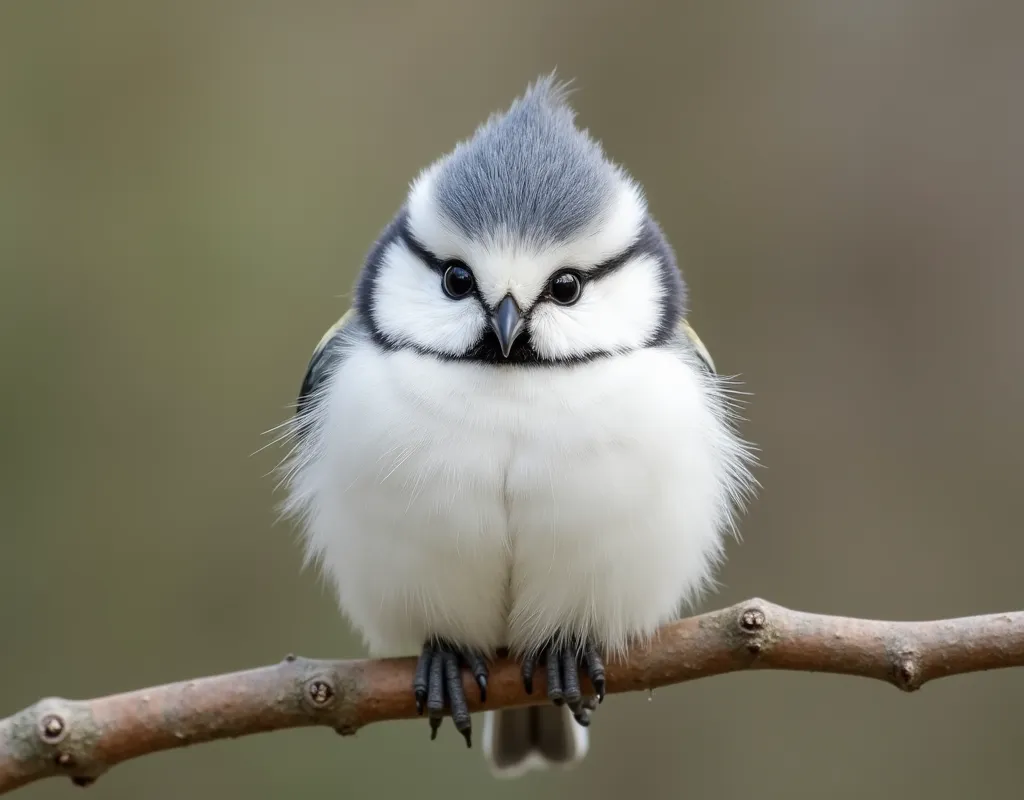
(565, 288)
(457, 281)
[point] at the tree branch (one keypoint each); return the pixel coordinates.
(82, 739)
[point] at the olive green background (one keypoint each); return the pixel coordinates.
(187, 190)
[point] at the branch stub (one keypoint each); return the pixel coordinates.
(753, 624)
(752, 620)
(320, 692)
(53, 728)
(907, 673)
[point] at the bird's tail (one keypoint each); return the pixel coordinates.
(517, 740)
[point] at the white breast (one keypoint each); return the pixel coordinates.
(502, 506)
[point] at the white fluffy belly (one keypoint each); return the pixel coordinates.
(502, 506)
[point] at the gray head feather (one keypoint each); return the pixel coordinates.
(529, 172)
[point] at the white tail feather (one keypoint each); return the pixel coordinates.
(518, 740)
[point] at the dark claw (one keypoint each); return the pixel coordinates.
(479, 668)
(595, 670)
(554, 665)
(529, 663)
(582, 717)
(437, 684)
(578, 711)
(564, 664)
(421, 682)
(584, 709)
(456, 696)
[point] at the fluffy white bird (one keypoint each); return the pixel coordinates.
(514, 439)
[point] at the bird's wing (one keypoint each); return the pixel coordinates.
(698, 346)
(325, 357)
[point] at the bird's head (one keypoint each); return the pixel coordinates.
(524, 245)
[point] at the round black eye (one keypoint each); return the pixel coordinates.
(565, 288)
(457, 281)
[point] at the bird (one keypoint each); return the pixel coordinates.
(514, 440)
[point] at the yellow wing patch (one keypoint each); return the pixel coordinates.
(698, 345)
(337, 326)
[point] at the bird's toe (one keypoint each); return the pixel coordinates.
(437, 685)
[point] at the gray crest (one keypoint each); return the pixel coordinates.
(528, 171)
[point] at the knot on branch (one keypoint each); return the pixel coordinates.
(319, 692)
(754, 626)
(906, 671)
(52, 728)
(325, 694)
(64, 736)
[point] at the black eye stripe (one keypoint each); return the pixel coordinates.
(438, 265)
(602, 270)
(607, 267)
(421, 252)
(582, 277)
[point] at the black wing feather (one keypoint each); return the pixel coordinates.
(321, 363)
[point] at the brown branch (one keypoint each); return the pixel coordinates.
(82, 739)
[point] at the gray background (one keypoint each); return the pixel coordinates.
(187, 190)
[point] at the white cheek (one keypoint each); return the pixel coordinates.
(618, 312)
(410, 306)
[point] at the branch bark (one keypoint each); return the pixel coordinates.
(82, 739)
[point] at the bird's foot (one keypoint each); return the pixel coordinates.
(438, 683)
(562, 661)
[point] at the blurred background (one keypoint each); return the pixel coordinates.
(187, 191)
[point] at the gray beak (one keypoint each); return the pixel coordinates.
(507, 322)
